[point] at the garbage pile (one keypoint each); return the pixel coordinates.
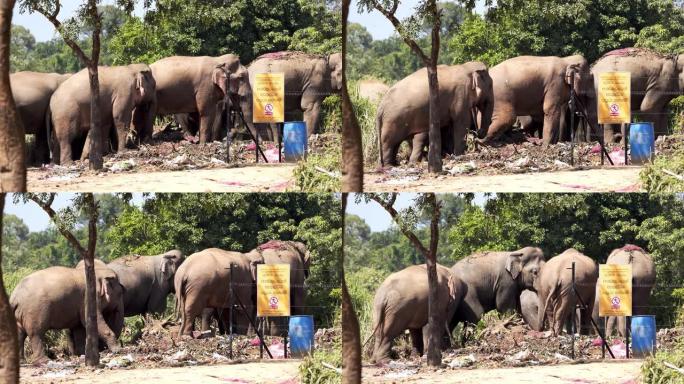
(525, 155)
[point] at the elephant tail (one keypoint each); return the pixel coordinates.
(180, 285)
(379, 310)
(48, 129)
(378, 125)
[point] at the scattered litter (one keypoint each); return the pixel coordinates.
(59, 374)
(235, 380)
(672, 366)
(69, 176)
(219, 357)
(463, 362)
(617, 156)
(120, 362)
(121, 166)
(334, 368)
(466, 168)
(401, 374)
(561, 357)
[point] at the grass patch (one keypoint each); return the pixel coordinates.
(309, 175)
(654, 177)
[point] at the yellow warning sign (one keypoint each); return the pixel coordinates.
(614, 98)
(268, 93)
(615, 290)
(273, 290)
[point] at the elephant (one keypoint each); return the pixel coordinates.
(404, 111)
(535, 86)
(123, 89)
(495, 280)
(371, 89)
(643, 280)
(188, 84)
(32, 92)
(655, 80)
(204, 280)
(308, 80)
(554, 287)
(148, 280)
(401, 302)
(529, 307)
(54, 298)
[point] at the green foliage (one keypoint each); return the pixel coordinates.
(366, 111)
(654, 371)
(653, 176)
(246, 28)
(312, 370)
(308, 175)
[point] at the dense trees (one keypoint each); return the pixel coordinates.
(592, 223)
(510, 28)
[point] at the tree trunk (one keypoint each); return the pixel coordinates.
(9, 353)
(96, 134)
(436, 329)
(352, 151)
(12, 152)
(92, 347)
(351, 338)
(435, 135)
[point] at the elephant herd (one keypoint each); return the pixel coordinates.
(530, 91)
(54, 298)
(521, 280)
(56, 108)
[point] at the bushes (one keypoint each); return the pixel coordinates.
(653, 176)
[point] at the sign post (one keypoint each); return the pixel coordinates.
(614, 101)
(269, 101)
(273, 292)
(615, 293)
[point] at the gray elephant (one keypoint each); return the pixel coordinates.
(32, 92)
(123, 89)
(655, 80)
(495, 280)
(401, 303)
(529, 307)
(148, 280)
(308, 80)
(204, 280)
(404, 111)
(643, 280)
(196, 85)
(536, 86)
(54, 298)
(554, 287)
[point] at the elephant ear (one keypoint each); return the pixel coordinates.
(218, 77)
(570, 73)
(514, 264)
(452, 284)
(167, 266)
(253, 268)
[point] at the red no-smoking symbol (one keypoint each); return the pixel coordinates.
(614, 108)
(273, 302)
(268, 107)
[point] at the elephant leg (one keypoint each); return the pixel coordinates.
(193, 308)
(500, 124)
(122, 125)
(38, 347)
(207, 316)
(86, 148)
(207, 117)
(64, 141)
(382, 347)
(552, 116)
(461, 120)
(106, 334)
(274, 133)
(420, 140)
(561, 312)
(622, 326)
(21, 336)
(312, 112)
(389, 148)
(417, 342)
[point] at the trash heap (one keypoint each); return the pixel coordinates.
(523, 155)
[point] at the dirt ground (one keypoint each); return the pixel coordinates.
(521, 164)
(173, 162)
(614, 179)
(279, 371)
(253, 178)
(613, 372)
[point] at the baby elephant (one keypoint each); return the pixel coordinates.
(401, 302)
(53, 298)
(556, 296)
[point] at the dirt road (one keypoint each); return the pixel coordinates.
(283, 372)
(614, 179)
(252, 178)
(621, 372)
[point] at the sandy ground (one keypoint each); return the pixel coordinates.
(252, 372)
(618, 179)
(252, 178)
(620, 372)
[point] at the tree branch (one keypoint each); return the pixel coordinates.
(390, 15)
(47, 207)
(389, 207)
(52, 18)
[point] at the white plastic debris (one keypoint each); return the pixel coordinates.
(560, 357)
(463, 362)
(401, 374)
(463, 168)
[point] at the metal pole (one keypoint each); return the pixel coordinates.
(280, 141)
(285, 346)
(256, 141)
(625, 130)
(230, 315)
(601, 143)
(603, 345)
(261, 345)
(627, 334)
(572, 126)
(574, 312)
